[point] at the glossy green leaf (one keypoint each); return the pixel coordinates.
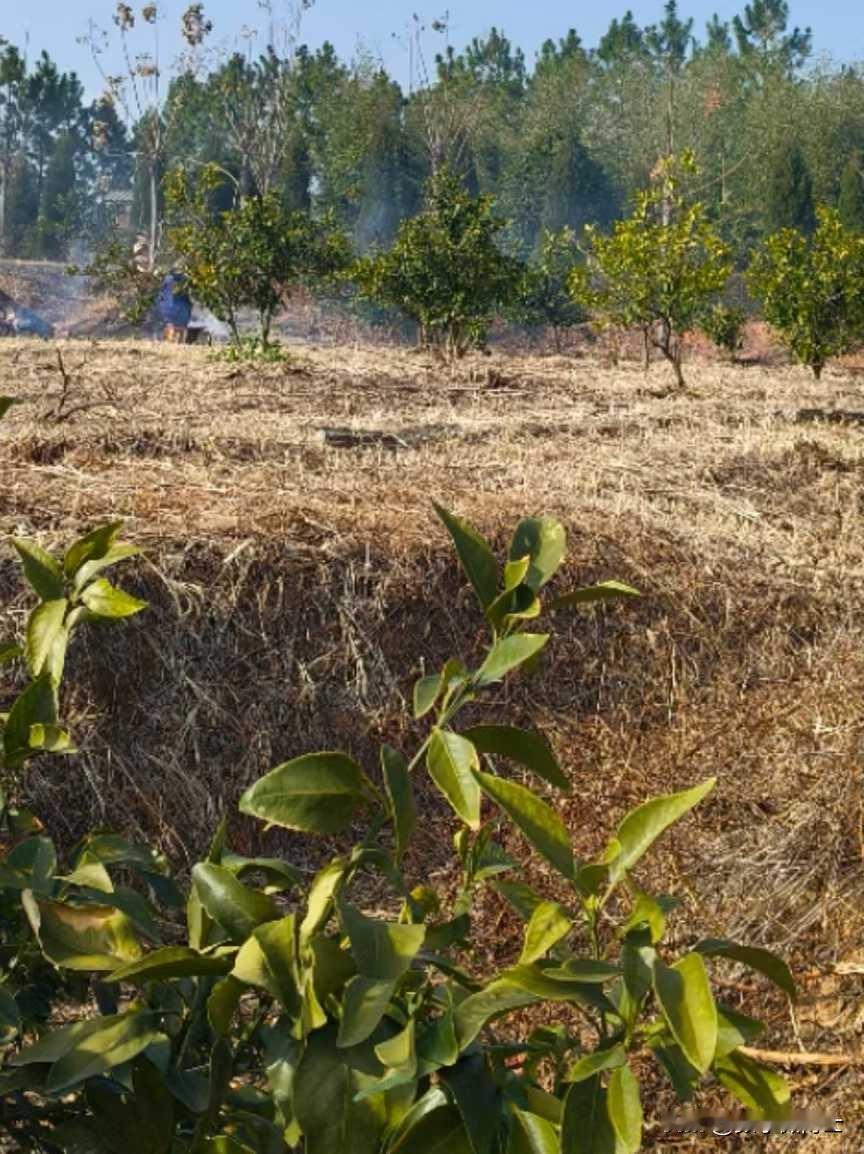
(37, 705)
(233, 905)
(102, 1045)
(477, 558)
(438, 1131)
(763, 1091)
(400, 794)
(735, 1029)
(382, 950)
(426, 691)
(755, 957)
(642, 826)
(93, 545)
(223, 1002)
(478, 1099)
(105, 600)
(82, 937)
(508, 654)
(268, 959)
(40, 569)
(590, 1064)
(316, 793)
(171, 962)
(10, 651)
(319, 903)
(527, 749)
(548, 925)
(324, 1101)
(684, 995)
(451, 760)
(45, 632)
(544, 541)
(531, 1134)
(400, 1051)
(540, 824)
(498, 997)
(365, 1002)
(605, 591)
(586, 1127)
(625, 1109)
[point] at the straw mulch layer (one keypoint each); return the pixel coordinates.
(298, 581)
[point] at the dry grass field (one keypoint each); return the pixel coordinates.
(298, 580)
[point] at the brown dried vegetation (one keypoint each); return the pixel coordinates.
(298, 579)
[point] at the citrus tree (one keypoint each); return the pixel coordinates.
(660, 270)
(543, 297)
(250, 256)
(812, 289)
(445, 269)
(271, 1011)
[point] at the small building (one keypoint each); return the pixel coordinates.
(118, 202)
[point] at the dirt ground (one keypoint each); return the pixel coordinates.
(299, 582)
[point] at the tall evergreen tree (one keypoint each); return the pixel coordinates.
(790, 193)
(22, 207)
(58, 210)
(851, 200)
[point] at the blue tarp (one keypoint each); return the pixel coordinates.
(174, 304)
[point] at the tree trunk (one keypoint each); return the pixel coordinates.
(154, 211)
(646, 349)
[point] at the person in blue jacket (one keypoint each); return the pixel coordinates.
(174, 306)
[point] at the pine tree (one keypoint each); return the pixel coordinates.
(22, 207)
(790, 193)
(58, 211)
(851, 200)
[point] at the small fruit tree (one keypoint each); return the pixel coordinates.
(250, 256)
(812, 289)
(271, 1011)
(445, 269)
(661, 270)
(543, 296)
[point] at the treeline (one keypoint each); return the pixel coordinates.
(563, 141)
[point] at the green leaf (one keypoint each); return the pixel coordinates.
(544, 541)
(319, 903)
(234, 906)
(316, 793)
(88, 1049)
(37, 705)
(684, 994)
(382, 950)
(478, 1099)
(268, 959)
(477, 558)
(92, 546)
(733, 1030)
(50, 739)
(324, 1101)
(605, 591)
(586, 1128)
(642, 826)
(45, 635)
(528, 749)
(764, 1092)
(438, 1131)
(6, 404)
(223, 1002)
(397, 782)
(625, 1109)
(543, 828)
(426, 691)
(498, 997)
(508, 654)
(82, 937)
(590, 1064)
(450, 761)
(531, 1134)
(763, 961)
(105, 600)
(171, 962)
(548, 925)
(400, 1051)
(40, 569)
(365, 1002)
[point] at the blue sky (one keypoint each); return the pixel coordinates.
(351, 25)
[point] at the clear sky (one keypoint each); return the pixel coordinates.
(379, 28)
